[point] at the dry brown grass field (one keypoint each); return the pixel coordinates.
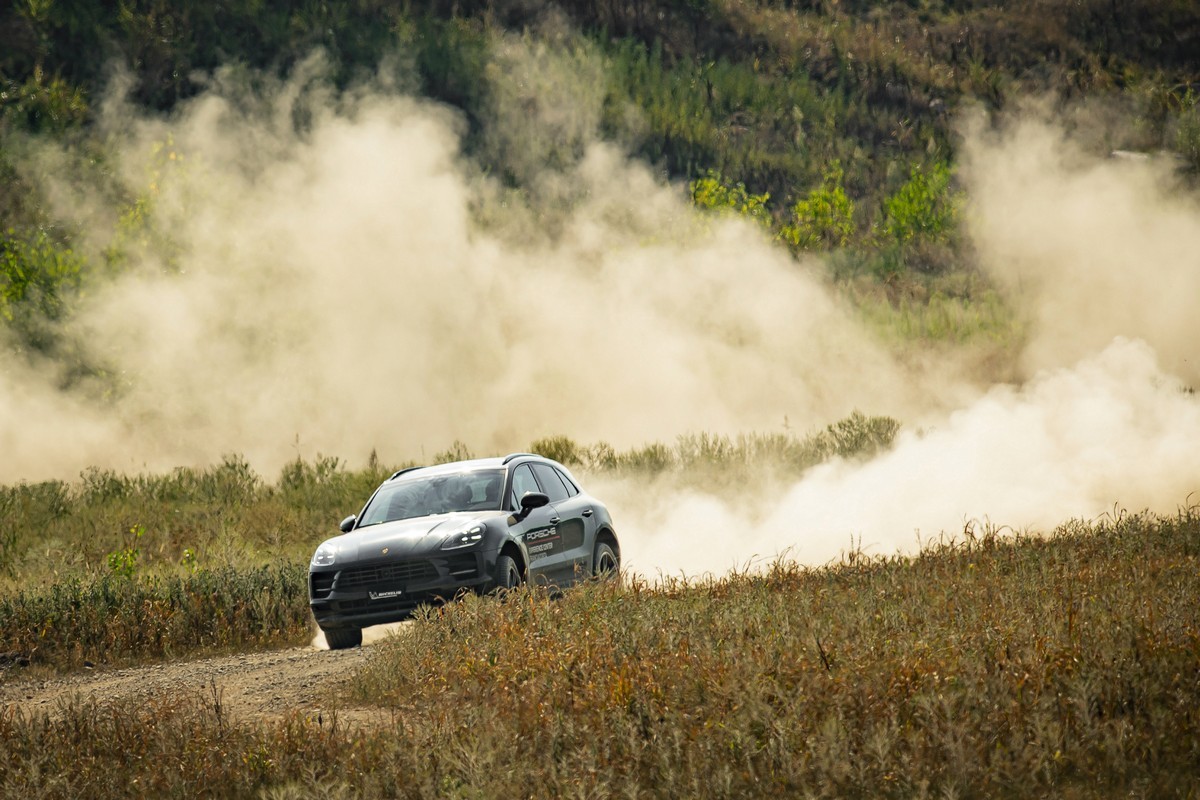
(1056, 665)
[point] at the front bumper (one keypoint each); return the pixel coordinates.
(374, 592)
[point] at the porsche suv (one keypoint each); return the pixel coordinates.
(430, 533)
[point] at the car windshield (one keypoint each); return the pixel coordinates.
(479, 490)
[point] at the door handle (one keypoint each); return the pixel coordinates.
(587, 512)
(554, 520)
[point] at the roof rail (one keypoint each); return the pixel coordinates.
(511, 456)
(400, 472)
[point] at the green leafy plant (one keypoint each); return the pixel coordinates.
(189, 561)
(141, 233)
(714, 193)
(37, 273)
(825, 217)
(44, 104)
(924, 208)
(124, 562)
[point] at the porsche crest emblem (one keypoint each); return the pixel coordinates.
(385, 551)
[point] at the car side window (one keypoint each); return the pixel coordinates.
(572, 489)
(523, 482)
(552, 485)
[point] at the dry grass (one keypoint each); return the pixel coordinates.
(980, 668)
(117, 619)
(1065, 666)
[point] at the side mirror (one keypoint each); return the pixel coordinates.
(348, 524)
(532, 500)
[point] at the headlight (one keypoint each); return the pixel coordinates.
(326, 554)
(470, 536)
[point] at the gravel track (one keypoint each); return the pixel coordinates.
(248, 686)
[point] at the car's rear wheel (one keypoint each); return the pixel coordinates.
(341, 638)
(605, 564)
(508, 574)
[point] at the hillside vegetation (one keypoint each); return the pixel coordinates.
(830, 122)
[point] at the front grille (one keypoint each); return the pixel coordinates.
(400, 572)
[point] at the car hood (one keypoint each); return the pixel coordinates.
(405, 536)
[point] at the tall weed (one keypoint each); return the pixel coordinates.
(122, 617)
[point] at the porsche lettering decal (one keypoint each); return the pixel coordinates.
(544, 535)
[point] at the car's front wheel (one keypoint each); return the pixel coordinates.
(508, 574)
(341, 638)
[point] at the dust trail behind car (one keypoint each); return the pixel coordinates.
(359, 285)
(1113, 434)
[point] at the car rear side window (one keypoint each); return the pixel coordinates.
(552, 485)
(522, 482)
(572, 489)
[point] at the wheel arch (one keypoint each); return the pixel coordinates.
(511, 550)
(606, 536)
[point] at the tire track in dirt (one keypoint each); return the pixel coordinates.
(248, 686)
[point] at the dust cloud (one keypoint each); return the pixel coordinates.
(1109, 434)
(361, 285)
(1087, 248)
(1101, 257)
(325, 272)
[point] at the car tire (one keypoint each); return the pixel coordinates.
(605, 563)
(508, 574)
(342, 638)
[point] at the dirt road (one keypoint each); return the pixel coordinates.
(248, 685)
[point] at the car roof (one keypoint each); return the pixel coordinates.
(470, 465)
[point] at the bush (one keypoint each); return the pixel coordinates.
(43, 105)
(823, 219)
(923, 208)
(37, 275)
(559, 448)
(713, 193)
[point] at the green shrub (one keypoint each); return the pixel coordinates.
(650, 459)
(37, 275)
(458, 451)
(857, 436)
(43, 105)
(925, 207)
(823, 219)
(228, 512)
(713, 193)
(123, 563)
(559, 448)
